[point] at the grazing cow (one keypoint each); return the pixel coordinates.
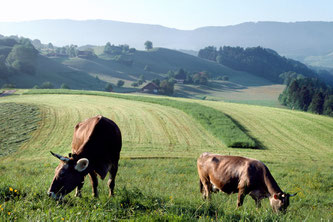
(96, 148)
(232, 174)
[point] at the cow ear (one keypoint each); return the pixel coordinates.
(70, 155)
(81, 164)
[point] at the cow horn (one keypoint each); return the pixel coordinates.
(60, 157)
(292, 195)
(81, 164)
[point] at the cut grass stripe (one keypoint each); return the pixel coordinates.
(17, 122)
(216, 122)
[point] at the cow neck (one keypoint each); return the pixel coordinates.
(271, 184)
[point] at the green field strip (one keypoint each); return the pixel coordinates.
(211, 119)
(295, 133)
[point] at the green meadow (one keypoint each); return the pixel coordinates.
(157, 178)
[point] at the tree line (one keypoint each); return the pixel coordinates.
(17, 56)
(307, 94)
(259, 61)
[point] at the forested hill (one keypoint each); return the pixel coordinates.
(259, 61)
(307, 94)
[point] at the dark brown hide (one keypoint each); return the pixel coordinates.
(235, 174)
(98, 140)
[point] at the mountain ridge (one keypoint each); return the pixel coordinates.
(293, 39)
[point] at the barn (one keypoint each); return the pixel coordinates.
(150, 88)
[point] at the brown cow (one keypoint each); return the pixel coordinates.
(232, 174)
(96, 149)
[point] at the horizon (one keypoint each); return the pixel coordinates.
(84, 20)
(194, 13)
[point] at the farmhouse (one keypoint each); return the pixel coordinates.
(150, 88)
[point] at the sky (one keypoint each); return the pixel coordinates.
(180, 14)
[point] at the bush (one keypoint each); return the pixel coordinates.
(47, 85)
(64, 86)
(135, 84)
(167, 87)
(120, 83)
(108, 87)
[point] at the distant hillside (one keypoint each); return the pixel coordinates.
(159, 61)
(23, 67)
(321, 61)
(259, 61)
(296, 40)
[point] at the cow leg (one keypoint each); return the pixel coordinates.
(207, 189)
(111, 181)
(202, 189)
(94, 183)
(241, 196)
(256, 197)
(257, 200)
(78, 190)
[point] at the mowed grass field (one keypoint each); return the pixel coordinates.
(157, 177)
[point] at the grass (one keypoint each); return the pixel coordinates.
(284, 131)
(17, 122)
(220, 125)
(157, 178)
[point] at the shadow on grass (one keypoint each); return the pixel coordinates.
(259, 144)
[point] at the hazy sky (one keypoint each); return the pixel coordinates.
(180, 14)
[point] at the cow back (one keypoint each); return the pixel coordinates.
(99, 140)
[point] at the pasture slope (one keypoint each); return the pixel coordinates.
(157, 178)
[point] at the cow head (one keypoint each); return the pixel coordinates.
(68, 175)
(280, 201)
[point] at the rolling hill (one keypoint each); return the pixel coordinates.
(159, 153)
(296, 40)
(24, 67)
(48, 70)
(94, 72)
(160, 61)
